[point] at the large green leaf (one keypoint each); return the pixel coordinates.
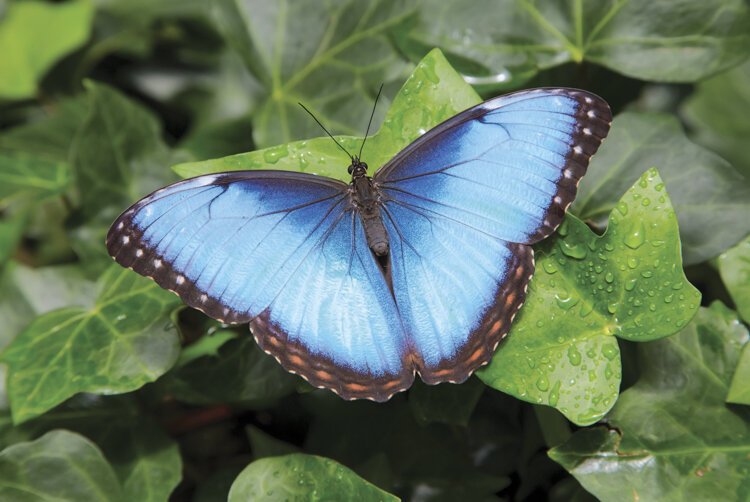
(433, 93)
(628, 282)
(302, 477)
(505, 42)
(739, 390)
(26, 293)
(734, 267)
(118, 345)
(28, 175)
(670, 436)
(238, 373)
(331, 56)
(117, 153)
(446, 403)
(35, 34)
(59, 466)
(48, 135)
(717, 113)
(145, 460)
(710, 197)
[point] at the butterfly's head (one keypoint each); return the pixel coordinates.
(357, 168)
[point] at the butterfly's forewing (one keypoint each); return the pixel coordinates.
(461, 205)
(285, 252)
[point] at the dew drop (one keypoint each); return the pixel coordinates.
(586, 309)
(637, 237)
(630, 285)
(609, 351)
(273, 155)
(566, 302)
(542, 383)
(622, 208)
(576, 251)
(574, 356)
(554, 395)
(549, 266)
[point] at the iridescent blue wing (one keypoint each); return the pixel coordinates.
(461, 205)
(285, 252)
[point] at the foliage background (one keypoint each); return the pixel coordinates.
(614, 384)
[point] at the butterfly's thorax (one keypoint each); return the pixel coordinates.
(367, 200)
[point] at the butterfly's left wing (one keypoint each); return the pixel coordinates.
(462, 204)
(285, 252)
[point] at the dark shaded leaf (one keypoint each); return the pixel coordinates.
(446, 403)
(717, 113)
(239, 373)
(58, 466)
(734, 267)
(501, 43)
(117, 154)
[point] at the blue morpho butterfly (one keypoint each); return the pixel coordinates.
(357, 287)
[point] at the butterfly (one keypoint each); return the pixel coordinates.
(357, 287)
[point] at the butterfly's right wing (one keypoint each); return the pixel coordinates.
(285, 252)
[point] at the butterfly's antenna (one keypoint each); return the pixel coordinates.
(326, 130)
(370, 122)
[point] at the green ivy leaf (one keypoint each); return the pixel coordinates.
(628, 282)
(264, 445)
(60, 465)
(25, 175)
(433, 93)
(116, 346)
(671, 437)
(330, 56)
(26, 293)
(711, 199)
(739, 390)
(33, 36)
(446, 403)
(117, 153)
(50, 133)
(502, 43)
(239, 373)
(301, 477)
(717, 113)
(12, 227)
(734, 267)
(146, 461)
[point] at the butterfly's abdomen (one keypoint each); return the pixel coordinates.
(366, 200)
